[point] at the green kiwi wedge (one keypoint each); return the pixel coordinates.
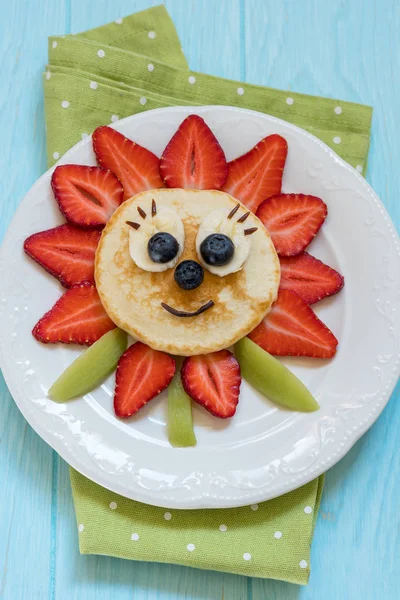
(180, 420)
(90, 368)
(270, 377)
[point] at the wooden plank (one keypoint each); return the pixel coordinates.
(207, 31)
(25, 488)
(83, 16)
(210, 34)
(348, 50)
(25, 460)
(24, 30)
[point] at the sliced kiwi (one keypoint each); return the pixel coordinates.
(180, 420)
(270, 377)
(91, 367)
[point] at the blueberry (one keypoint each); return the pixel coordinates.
(217, 249)
(162, 247)
(189, 274)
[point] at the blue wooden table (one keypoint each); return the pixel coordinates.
(348, 49)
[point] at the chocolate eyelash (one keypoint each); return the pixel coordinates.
(141, 212)
(153, 208)
(233, 211)
(133, 224)
(243, 217)
(250, 230)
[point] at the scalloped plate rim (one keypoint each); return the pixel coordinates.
(193, 500)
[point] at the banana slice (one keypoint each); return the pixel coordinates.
(217, 222)
(166, 220)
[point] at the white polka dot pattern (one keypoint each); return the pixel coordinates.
(247, 556)
(303, 564)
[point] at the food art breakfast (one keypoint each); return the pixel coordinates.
(200, 261)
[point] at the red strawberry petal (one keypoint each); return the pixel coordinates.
(66, 252)
(257, 175)
(213, 380)
(193, 158)
(142, 373)
(293, 220)
(78, 317)
(136, 167)
(293, 329)
(87, 196)
(310, 278)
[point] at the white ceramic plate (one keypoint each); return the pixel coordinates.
(263, 451)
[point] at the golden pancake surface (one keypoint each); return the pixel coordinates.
(132, 297)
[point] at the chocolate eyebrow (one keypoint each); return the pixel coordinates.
(141, 212)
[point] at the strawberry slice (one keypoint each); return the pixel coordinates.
(293, 220)
(193, 158)
(309, 277)
(213, 380)
(66, 252)
(136, 167)
(87, 196)
(293, 329)
(142, 373)
(257, 175)
(78, 317)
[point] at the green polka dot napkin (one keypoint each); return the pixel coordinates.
(271, 539)
(137, 64)
(100, 76)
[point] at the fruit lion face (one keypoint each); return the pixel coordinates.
(221, 246)
(185, 270)
(198, 292)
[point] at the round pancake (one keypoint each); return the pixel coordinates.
(132, 297)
